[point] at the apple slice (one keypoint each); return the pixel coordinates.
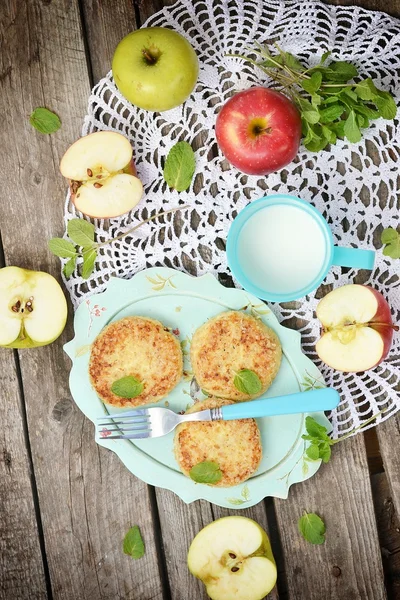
(357, 328)
(233, 558)
(33, 309)
(102, 175)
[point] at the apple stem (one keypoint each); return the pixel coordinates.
(149, 58)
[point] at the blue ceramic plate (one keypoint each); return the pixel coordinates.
(184, 303)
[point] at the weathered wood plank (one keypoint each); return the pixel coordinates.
(388, 432)
(106, 23)
(389, 533)
(348, 565)
(88, 499)
(21, 565)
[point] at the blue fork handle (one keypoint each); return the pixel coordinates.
(302, 402)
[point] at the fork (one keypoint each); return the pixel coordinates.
(156, 422)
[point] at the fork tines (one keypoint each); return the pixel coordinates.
(138, 422)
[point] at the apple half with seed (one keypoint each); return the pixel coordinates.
(233, 558)
(33, 309)
(357, 328)
(102, 175)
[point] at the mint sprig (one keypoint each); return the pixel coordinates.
(180, 166)
(332, 104)
(312, 528)
(247, 382)
(44, 120)
(133, 543)
(127, 387)
(391, 240)
(82, 244)
(206, 472)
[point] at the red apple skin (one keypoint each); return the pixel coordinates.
(382, 322)
(131, 168)
(259, 131)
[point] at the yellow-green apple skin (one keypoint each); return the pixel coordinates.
(33, 308)
(155, 68)
(233, 558)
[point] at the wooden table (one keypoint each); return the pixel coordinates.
(65, 503)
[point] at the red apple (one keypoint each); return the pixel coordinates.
(259, 131)
(357, 328)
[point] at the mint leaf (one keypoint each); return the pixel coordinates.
(127, 387)
(133, 543)
(44, 120)
(206, 472)
(312, 528)
(325, 452)
(81, 232)
(62, 248)
(366, 89)
(314, 429)
(313, 84)
(325, 56)
(69, 267)
(391, 238)
(385, 104)
(313, 452)
(351, 129)
(341, 71)
(89, 260)
(180, 166)
(331, 113)
(247, 382)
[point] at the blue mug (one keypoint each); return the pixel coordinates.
(280, 248)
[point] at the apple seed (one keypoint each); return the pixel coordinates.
(16, 306)
(232, 555)
(97, 185)
(235, 569)
(89, 172)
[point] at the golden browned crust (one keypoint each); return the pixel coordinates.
(234, 445)
(138, 347)
(228, 343)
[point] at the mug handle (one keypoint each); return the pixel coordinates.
(353, 257)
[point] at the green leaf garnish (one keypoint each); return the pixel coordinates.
(206, 472)
(332, 105)
(69, 267)
(81, 232)
(312, 528)
(127, 387)
(391, 239)
(89, 259)
(44, 120)
(247, 382)
(62, 248)
(180, 166)
(133, 543)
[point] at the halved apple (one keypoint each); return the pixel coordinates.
(33, 309)
(102, 175)
(233, 558)
(357, 328)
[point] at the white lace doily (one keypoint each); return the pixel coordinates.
(354, 185)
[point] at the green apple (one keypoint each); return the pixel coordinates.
(33, 309)
(155, 68)
(233, 558)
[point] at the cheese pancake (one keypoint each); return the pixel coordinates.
(139, 347)
(228, 343)
(234, 445)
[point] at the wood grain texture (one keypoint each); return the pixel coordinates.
(388, 436)
(106, 22)
(21, 566)
(348, 565)
(389, 533)
(88, 500)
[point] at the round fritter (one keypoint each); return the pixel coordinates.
(228, 343)
(138, 347)
(234, 445)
